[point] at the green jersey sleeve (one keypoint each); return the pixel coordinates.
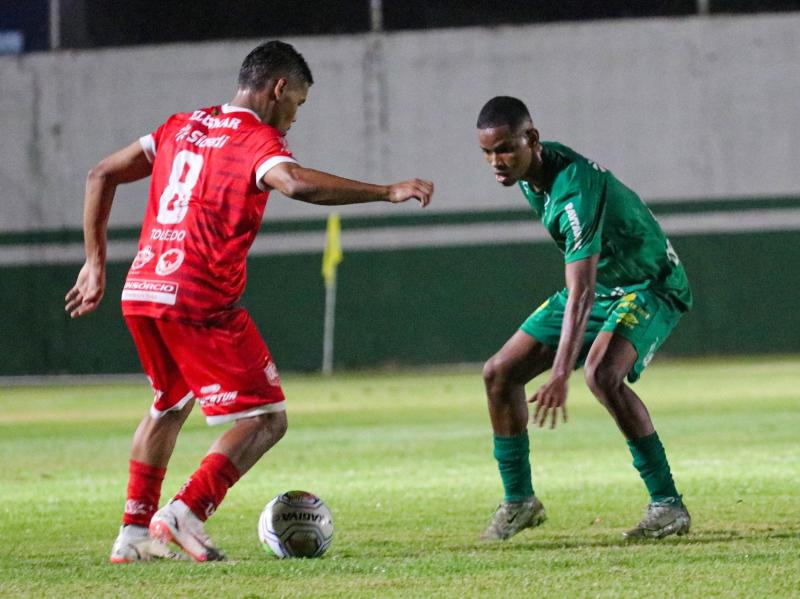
(581, 201)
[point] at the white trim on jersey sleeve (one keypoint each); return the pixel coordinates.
(148, 144)
(265, 166)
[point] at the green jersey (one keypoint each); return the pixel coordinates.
(588, 211)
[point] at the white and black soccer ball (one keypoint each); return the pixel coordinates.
(295, 524)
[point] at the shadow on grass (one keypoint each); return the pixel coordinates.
(700, 537)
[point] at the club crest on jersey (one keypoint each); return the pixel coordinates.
(143, 257)
(272, 374)
(169, 262)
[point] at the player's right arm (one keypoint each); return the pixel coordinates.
(317, 187)
(124, 166)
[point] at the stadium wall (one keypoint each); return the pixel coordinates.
(699, 115)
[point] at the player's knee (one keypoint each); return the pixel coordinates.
(495, 372)
(276, 425)
(266, 429)
(603, 381)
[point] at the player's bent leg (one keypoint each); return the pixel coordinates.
(152, 448)
(250, 438)
(234, 453)
(505, 375)
(155, 438)
(609, 361)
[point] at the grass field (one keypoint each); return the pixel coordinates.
(404, 461)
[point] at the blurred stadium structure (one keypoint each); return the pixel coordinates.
(53, 24)
(697, 113)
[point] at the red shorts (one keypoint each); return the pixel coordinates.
(226, 366)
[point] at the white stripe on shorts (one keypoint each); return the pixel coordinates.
(156, 414)
(265, 409)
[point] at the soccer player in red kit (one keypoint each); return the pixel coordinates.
(211, 172)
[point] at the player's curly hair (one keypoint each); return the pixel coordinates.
(503, 110)
(273, 59)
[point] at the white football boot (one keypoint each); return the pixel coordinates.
(133, 544)
(175, 523)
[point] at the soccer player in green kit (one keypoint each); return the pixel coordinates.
(625, 291)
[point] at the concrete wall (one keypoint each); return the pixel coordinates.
(699, 115)
(678, 108)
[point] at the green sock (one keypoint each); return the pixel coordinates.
(511, 454)
(650, 460)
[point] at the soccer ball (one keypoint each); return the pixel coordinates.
(295, 524)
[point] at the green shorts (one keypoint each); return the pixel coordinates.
(642, 317)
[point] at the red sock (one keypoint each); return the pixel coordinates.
(206, 488)
(144, 491)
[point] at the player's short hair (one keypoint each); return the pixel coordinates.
(503, 110)
(273, 59)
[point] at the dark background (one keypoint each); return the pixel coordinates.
(103, 23)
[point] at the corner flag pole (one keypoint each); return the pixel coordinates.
(331, 258)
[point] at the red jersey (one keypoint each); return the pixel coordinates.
(205, 208)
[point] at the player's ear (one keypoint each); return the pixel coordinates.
(280, 88)
(533, 136)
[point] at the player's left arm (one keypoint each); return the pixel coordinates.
(318, 187)
(581, 223)
(124, 166)
(580, 279)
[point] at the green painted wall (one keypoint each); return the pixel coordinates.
(415, 306)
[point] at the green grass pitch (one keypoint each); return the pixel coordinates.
(404, 462)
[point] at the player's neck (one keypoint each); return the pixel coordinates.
(246, 99)
(536, 175)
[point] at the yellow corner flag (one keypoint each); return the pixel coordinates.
(333, 249)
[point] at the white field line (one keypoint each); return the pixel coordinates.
(423, 236)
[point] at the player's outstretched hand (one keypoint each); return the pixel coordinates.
(548, 399)
(413, 189)
(85, 296)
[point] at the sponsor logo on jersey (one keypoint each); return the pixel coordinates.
(143, 290)
(222, 398)
(201, 140)
(169, 262)
(212, 122)
(183, 132)
(574, 224)
(143, 257)
(167, 235)
(272, 374)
